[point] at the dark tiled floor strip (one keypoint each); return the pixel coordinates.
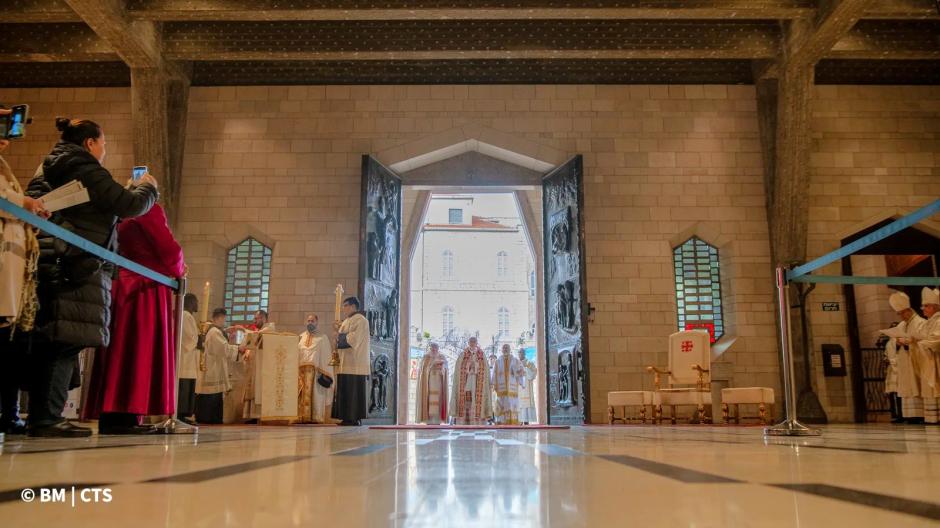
(927, 510)
(227, 471)
(689, 476)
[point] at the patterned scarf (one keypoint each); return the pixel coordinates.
(29, 300)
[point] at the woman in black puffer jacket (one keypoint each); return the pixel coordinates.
(75, 286)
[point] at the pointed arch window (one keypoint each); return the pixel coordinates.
(247, 279)
(698, 287)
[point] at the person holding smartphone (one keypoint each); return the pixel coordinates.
(75, 286)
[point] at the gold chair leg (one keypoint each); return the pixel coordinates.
(724, 413)
(610, 415)
(762, 412)
(701, 414)
(643, 414)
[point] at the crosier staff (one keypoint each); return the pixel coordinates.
(334, 357)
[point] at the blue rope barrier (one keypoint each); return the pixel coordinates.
(851, 279)
(85, 245)
(898, 225)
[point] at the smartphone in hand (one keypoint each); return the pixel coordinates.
(139, 172)
(13, 125)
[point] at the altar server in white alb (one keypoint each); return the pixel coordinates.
(212, 378)
(912, 406)
(471, 400)
(431, 394)
(316, 378)
(352, 342)
(508, 376)
(925, 346)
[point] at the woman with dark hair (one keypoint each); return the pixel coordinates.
(135, 374)
(75, 286)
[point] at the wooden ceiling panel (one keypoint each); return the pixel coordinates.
(462, 39)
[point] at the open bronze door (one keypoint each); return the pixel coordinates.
(566, 308)
(379, 283)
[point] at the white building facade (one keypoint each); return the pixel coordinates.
(473, 274)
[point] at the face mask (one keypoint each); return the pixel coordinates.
(311, 327)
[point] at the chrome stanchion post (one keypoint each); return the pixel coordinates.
(790, 426)
(173, 425)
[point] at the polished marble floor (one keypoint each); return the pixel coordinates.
(877, 475)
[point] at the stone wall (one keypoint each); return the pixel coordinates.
(661, 163)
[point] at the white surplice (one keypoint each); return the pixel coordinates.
(219, 357)
(189, 357)
(508, 374)
(315, 400)
(527, 412)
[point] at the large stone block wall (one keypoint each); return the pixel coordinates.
(662, 163)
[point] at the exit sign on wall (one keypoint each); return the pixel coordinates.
(830, 306)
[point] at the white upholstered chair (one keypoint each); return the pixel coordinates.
(736, 396)
(687, 378)
(624, 399)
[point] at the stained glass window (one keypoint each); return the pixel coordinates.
(698, 287)
(247, 280)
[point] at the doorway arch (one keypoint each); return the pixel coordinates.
(474, 158)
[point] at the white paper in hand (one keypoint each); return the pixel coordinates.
(895, 332)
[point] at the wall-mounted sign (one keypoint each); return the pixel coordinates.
(833, 360)
(830, 306)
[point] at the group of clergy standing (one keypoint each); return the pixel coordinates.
(913, 354)
(477, 393)
(227, 381)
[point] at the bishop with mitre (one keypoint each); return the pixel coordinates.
(431, 396)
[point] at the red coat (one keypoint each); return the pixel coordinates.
(136, 373)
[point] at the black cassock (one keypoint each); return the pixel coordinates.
(349, 399)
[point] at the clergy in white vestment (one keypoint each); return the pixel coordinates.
(508, 377)
(431, 395)
(212, 377)
(316, 378)
(352, 343)
(189, 360)
(252, 398)
(925, 349)
(912, 406)
(471, 401)
(527, 413)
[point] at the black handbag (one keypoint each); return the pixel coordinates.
(325, 381)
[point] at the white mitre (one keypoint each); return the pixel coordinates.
(928, 296)
(899, 301)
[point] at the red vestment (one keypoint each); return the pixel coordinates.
(136, 373)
